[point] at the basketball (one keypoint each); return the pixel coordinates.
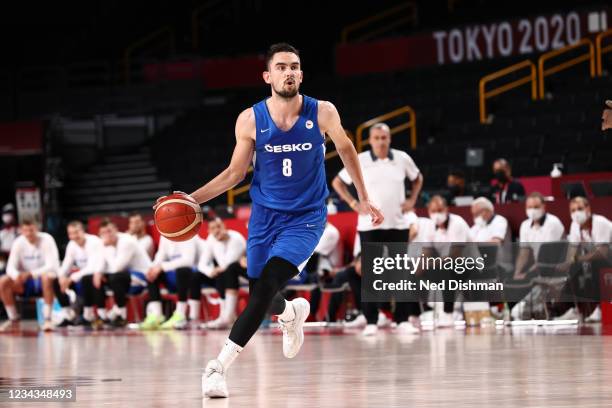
(178, 217)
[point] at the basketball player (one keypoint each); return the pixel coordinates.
(82, 260)
(32, 265)
(126, 261)
(284, 137)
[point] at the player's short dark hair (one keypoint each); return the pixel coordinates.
(106, 222)
(279, 47)
(77, 224)
(135, 214)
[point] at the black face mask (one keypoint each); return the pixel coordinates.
(454, 189)
(500, 175)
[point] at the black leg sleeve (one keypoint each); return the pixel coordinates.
(275, 274)
(183, 277)
(62, 298)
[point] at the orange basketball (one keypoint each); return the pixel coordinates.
(178, 217)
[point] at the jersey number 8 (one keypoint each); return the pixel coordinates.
(287, 168)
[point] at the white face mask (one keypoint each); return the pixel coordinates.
(579, 217)
(480, 222)
(7, 218)
(438, 217)
(534, 214)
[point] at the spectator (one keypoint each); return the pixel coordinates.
(538, 228)
(83, 258)
(449, 232)
(225, 248)
(8, 233)
(126, 261)
(606, 117)
(590, 235)
(32, 263)
(138, 229)
(384, 171)
(172, 266)
(505, 188)
(455, 183)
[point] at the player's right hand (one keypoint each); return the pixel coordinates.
(174, 192)
(375, 213)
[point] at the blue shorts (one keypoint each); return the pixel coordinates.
(291, 236)
(32, 288)
(138, 282)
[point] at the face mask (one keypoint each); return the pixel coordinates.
(535, 214)
(438, 217)
(454, 189)
(579, 217)
(7, 218)
(480, 222)
(500, 175)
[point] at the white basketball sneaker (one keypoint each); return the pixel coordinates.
(213, 380)
(370, 330)
(293, 331)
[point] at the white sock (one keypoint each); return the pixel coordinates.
(102, 314)
(181, 307)
(228, 354)
(122, 311)
(288, 314)
(11, 311)
(47, 311)
(88, 313)
(229, 310)
(154, 308)
(194, 309)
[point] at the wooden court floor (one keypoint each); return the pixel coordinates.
(521, 367)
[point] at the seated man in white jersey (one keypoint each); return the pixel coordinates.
(447, 239)
(539, 227)
(226, 248)
(83, 258)
(138, 229)
(590, 237)
(126, 264)
(172, 266)
(32, 265)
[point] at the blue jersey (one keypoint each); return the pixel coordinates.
(289, 167)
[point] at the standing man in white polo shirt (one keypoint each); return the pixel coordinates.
(384, 172)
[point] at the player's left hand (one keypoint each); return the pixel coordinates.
(606, 117)
(374, 211)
